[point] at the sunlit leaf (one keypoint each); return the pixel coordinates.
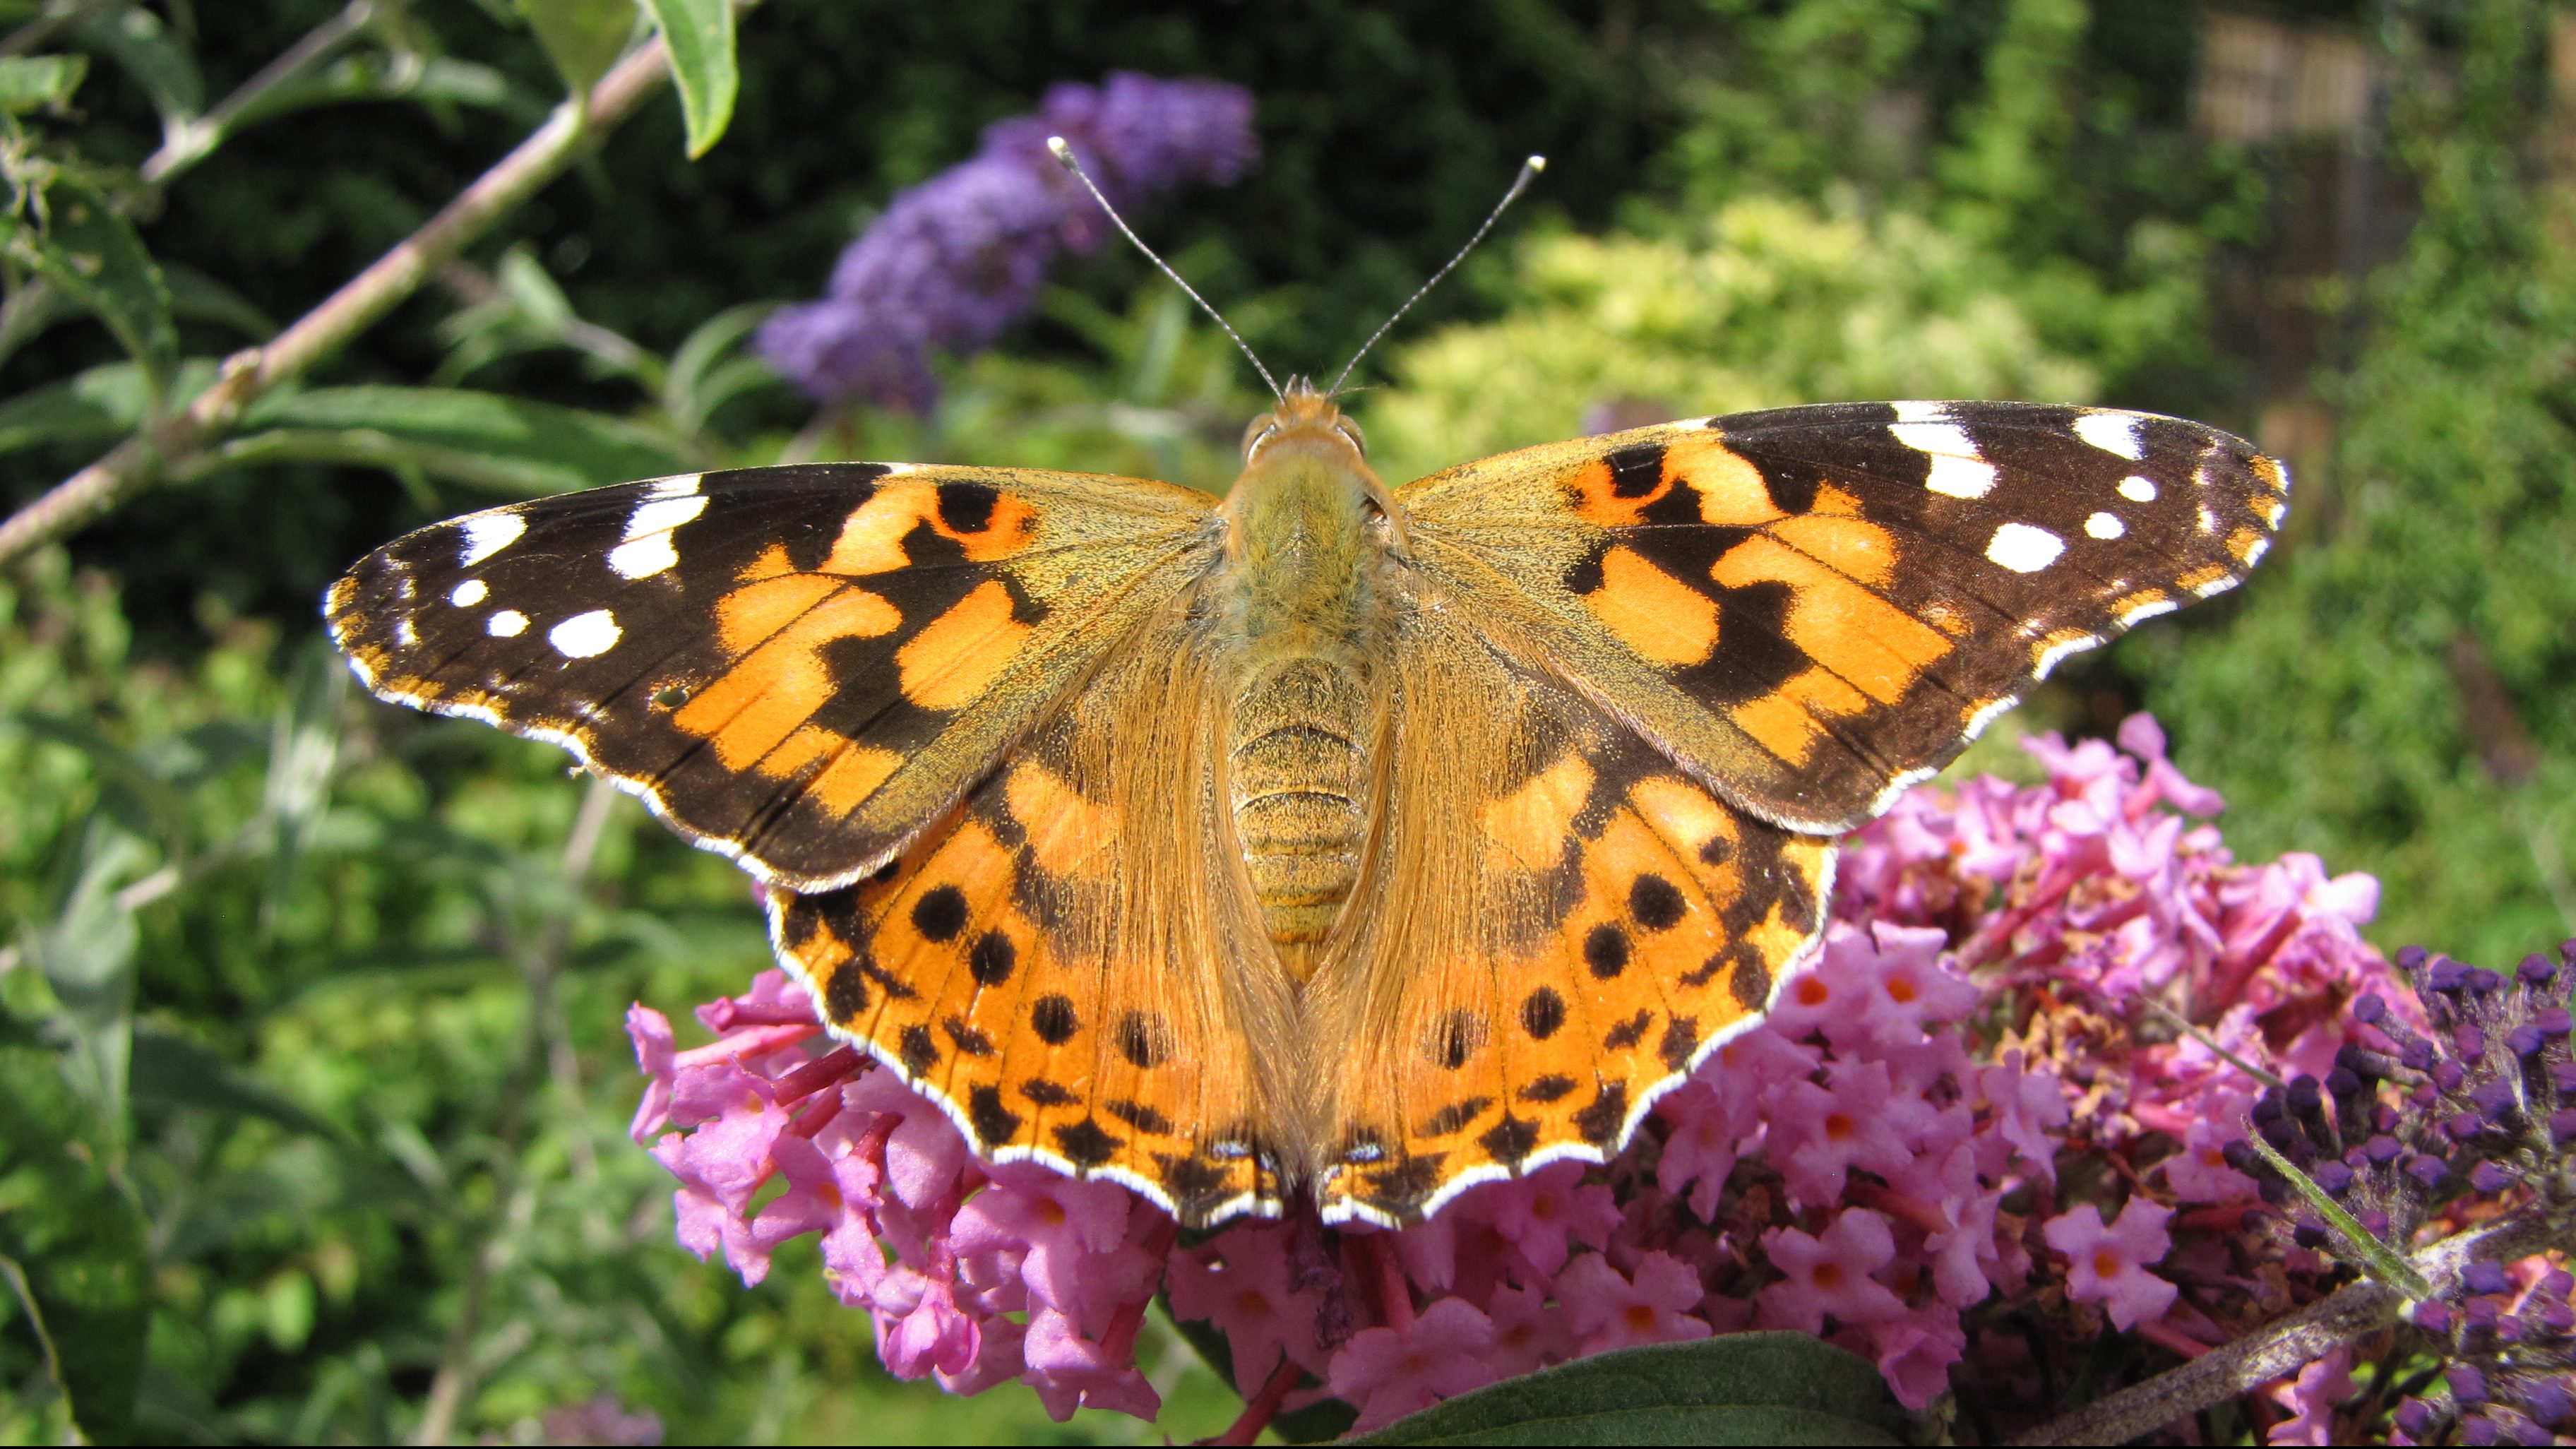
(1742, 1388)
(86, 952)
(34, 82)
(699, 36)
(90, 252)
(71, 1242)
(474, 437)
(582, 37)
(97, 406)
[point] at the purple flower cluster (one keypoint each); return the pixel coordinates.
(1962, 1140)
(2456, 1108)
(960, 257)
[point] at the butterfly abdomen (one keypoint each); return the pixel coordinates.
(1300, 628)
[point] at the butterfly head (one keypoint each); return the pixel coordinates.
(1305, 420)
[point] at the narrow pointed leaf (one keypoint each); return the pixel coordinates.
(1743, 1388)
(699, 36)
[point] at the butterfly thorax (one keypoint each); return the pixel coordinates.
(1301, 612)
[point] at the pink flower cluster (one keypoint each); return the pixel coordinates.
(1966, 1108)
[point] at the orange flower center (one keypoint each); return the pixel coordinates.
(1838, 1125)
(1827, 1276)
(1812, 992)
(2107, 1264)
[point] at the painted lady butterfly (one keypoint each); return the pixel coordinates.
(1332, 839)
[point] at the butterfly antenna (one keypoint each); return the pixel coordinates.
(1064, 153)
(1529, 173)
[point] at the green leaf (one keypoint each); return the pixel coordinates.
(134, 38)
(172, 1071)
(71, 1243)
(699, 36)
(1743, 1388)
(92, 253)
(86, 953)
(35, 82)
(582, 37)
(97, 406)
(474, 437)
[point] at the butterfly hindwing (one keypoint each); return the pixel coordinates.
(1813, 607)
(1069, 962)
(797, 666)
(1556, 923)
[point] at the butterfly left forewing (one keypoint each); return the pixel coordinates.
(1813, 607)
(796, 666)
(1555, 923)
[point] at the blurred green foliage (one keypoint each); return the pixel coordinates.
(2424, 619)
(312, 1083)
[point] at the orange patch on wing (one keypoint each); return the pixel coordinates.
(853, 775)
(1851, 546)
(871, 540)
(1528, 827)
(1731, 491)
(1873, 645)
(1657, 615)
(755, 707)
(1790, 720)
(1775, 937)
(2245, 543)
(1596, 503)
(957, 654)
(2274, 476)
(772, 562)
(754, 613)
(2203, 577)
(1066, 832)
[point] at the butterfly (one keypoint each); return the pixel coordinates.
(1329, 842)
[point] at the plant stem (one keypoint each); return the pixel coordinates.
(357, 305)
(192, 140)
(460, 1367)
(2285, 1346)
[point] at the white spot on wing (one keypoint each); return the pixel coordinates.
(2254, 551)
(647, 550)
(1920, 412)
(584, 635)
(507, 624)
(2138, 489)
(2218, 585)
(1960, 477)
(681, 487)
(2145, 612)
(2112, 433)
(1957, 469)
(1938, 439)
(2024, 549)
(467, 594)
(2104, 525)
(643, 557)
(487, 534)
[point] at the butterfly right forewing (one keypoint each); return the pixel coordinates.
(1814, 607)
